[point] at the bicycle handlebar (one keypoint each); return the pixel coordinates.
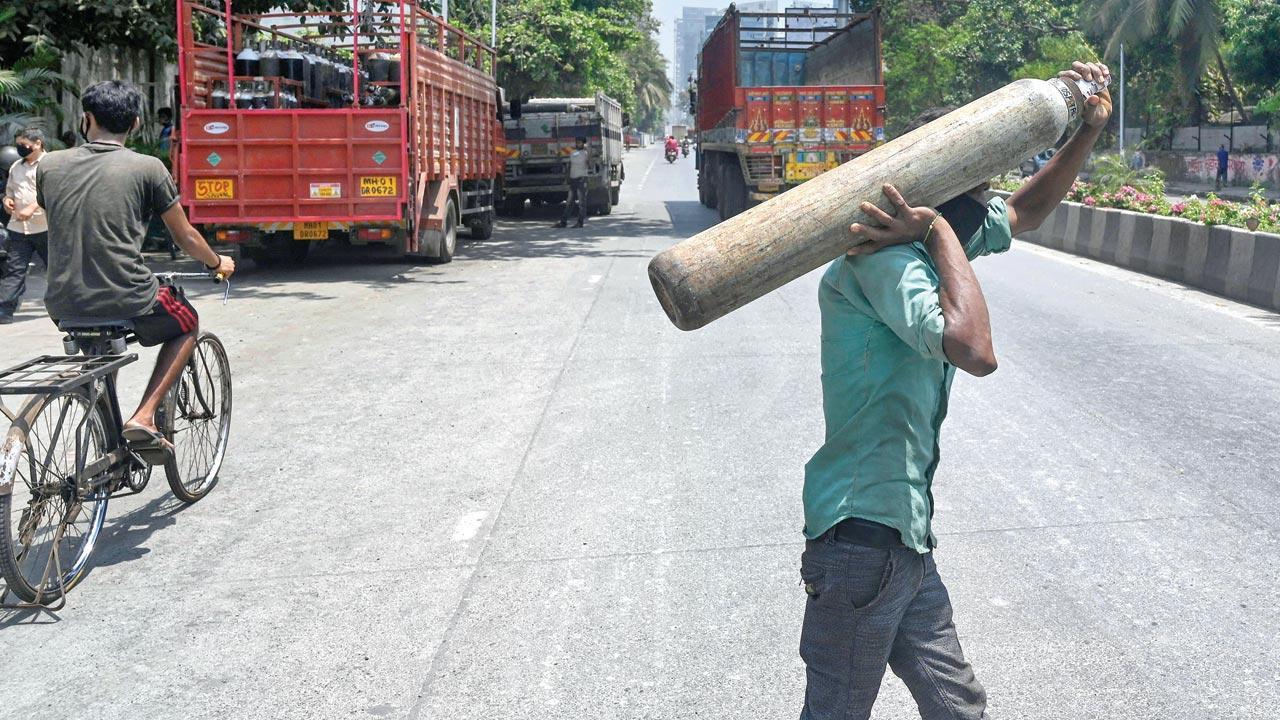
(217, 278)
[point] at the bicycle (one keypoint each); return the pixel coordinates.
(63, 458)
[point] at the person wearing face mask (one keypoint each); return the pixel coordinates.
(900, 312)
(28, 233)
(99, 198)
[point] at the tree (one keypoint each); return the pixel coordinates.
(1253, 32)
(1194, 26)
(652, 88)
(920, 72)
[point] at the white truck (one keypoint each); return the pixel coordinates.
(541, 133)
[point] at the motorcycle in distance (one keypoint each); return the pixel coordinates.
(684, 149)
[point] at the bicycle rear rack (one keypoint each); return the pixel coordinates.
(54, 374)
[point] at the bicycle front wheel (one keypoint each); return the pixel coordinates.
(197, 418)
(50, 520)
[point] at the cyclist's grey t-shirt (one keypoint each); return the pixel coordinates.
(98, 199)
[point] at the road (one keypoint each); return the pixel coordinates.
(508, 488)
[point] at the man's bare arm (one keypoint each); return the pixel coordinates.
(966, 333)
(193, 243)
(1032, 203)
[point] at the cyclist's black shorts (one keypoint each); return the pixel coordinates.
(171, 317)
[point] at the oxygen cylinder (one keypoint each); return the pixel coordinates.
(269, 62)
(745, 257)
(246, 63)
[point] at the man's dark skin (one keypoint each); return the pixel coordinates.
(175, 353)
(966, 336)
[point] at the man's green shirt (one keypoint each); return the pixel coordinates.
(885, 382)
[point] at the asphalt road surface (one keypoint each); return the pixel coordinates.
(508, 488)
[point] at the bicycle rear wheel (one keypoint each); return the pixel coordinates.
(197, 419)
(49, 523)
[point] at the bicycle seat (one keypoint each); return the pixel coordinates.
(95, 326)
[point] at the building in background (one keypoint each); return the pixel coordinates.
(691, 29)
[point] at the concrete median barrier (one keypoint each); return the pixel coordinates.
(1228, 261)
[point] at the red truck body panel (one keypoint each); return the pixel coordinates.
(363, 150)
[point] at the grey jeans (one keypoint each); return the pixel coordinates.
(869, 608)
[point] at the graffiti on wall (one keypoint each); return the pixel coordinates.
(1241, 168)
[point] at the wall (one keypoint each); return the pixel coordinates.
(149, 71)
(1227, 261)
(1243, 169)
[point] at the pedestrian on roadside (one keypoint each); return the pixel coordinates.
(577, 162)
(165, 117)
(899, 313)
(28, 232)
(1223, 158)
(1138, 161)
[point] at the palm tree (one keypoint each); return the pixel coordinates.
(649, 79)
(26, 93)
(1193, 26)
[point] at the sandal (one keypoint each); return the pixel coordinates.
(150, 445)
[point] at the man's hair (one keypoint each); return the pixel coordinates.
(580, 139)
(164, 113)
(115, 105)
(927, 117)
(30, 134)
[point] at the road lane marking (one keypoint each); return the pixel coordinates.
(645, 178)
(468, 525)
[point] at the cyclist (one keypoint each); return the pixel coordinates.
(98, 199)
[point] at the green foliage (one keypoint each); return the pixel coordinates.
(920, 72)
(575, 47)
(1055, 54)
(944, 53)
(27, 90)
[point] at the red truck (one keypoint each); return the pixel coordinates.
(376, 126)
(779, 101)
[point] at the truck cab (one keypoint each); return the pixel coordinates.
(540, 134)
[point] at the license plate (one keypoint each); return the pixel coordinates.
(311, 231)
(379, 186)
(220, 189)
(799, 172)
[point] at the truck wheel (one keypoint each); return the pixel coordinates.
(449, 242)
(481, 225)
(707, 177)
(733, 193)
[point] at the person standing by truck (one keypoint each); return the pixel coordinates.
(28, 233)
(577, 184)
